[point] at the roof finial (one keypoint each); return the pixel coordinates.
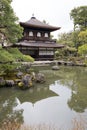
(33, 17)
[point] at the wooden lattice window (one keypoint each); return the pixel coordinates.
(31, 34)
(46, 35)
(38, 34)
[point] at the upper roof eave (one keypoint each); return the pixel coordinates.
(34, 23)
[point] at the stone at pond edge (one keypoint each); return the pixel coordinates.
(19, 74)
(2, 82)
(56, 67)
(9, 83)
(26, 81)
(40, 78)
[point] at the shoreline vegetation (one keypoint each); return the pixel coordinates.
(77, 124)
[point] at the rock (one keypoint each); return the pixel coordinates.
(19, 75)
(17, 81)
(9, 83)
(21, 85)
(33, 75)
(2, 81)
(56, 67)
(27, 81)
(40, 78)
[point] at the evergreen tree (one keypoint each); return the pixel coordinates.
(10, 30)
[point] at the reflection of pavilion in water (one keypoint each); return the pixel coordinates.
(49, 107)
(36, 94)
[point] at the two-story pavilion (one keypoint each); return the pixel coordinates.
(36, 40)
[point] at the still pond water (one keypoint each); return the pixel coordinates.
(62, 98)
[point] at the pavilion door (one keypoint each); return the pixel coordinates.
(36, 54)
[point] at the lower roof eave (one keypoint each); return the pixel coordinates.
(39, 45)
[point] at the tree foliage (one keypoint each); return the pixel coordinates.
(82, 50)
(8, 57)
(74, 40)
(77, 37)
(9, 27)
(5, 56)
(66, 39)
(79, 17)
(82, 37)
(18, 56)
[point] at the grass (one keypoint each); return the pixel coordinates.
(77, 124)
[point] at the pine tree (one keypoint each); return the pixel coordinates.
(10, 30)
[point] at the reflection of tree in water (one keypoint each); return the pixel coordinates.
(7, 112)
(78, 100)
(78, 103)
(76, 79)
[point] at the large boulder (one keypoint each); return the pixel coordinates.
(26, 82)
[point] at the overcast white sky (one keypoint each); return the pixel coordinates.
(54, 12)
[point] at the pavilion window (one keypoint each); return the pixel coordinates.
(38, 34)
(31, 34)
(46, 52)
(50, 53)
(46, 35)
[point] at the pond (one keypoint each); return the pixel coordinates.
(60, 101)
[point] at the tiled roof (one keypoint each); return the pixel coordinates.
(35, 23)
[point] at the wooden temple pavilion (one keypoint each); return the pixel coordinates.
(36, 40)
